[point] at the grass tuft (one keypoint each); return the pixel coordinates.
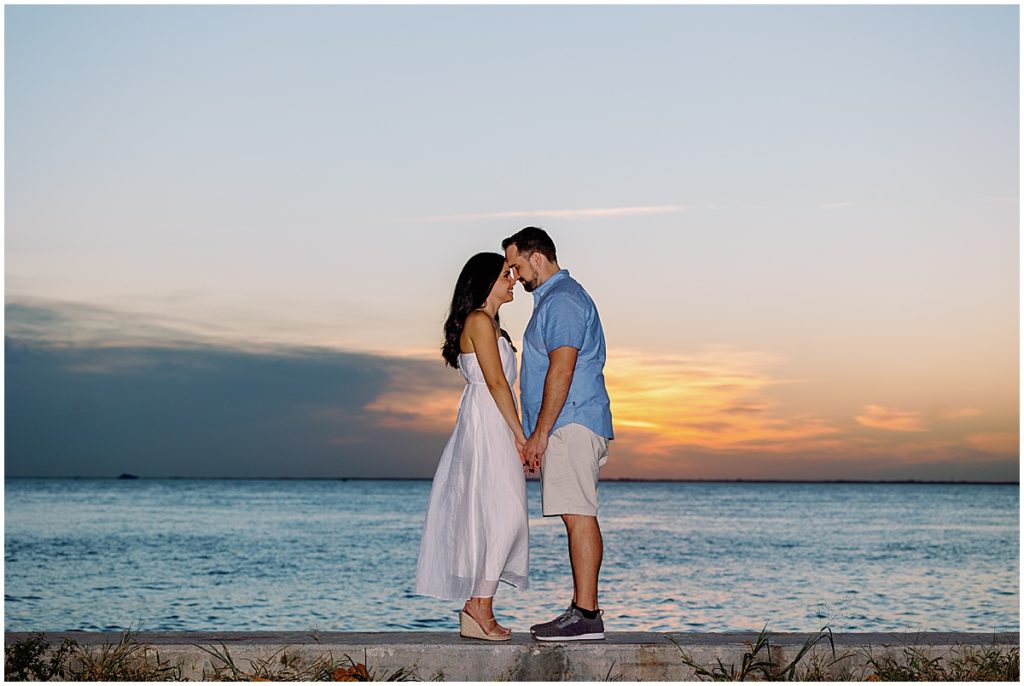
(962, 664)
(760, 662)
(281, 666)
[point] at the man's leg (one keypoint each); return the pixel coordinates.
(569, 478)
(586, 548)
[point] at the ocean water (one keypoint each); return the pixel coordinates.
(178, 554)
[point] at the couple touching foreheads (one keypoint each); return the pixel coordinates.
(476, 531)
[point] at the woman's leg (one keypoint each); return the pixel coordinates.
(481, 609)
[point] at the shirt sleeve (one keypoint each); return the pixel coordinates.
(565, 323)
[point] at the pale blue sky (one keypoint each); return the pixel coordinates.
(846, 179)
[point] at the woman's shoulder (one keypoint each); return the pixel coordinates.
(478, 319)
(479, 325)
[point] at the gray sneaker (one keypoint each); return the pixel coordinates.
(571, 626)
(556, 620)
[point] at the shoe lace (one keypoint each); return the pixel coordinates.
(569, 617)
(560, 620)
(567, 612)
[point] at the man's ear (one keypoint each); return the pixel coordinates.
(537, 260)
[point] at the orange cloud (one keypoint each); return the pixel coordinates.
(710, 413)
(713, 400)
(415, 403)
(961, 413)
(1005, 442)
(889, 419)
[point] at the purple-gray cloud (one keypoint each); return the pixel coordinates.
(177, 409)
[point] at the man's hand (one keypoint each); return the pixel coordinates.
(562, 365)
(533, 451)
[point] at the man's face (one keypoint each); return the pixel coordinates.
(522, 267)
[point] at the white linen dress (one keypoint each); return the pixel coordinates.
(476, 532)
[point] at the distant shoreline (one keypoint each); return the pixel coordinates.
(620, 480)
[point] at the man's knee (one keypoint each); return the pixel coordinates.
(577, 521)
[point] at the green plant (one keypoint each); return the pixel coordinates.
(35, 659)
(25, 660)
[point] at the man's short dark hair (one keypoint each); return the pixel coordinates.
(531, 239)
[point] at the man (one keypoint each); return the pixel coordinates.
(566, 417)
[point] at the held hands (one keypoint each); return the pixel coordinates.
(520, 442)
(533, 451)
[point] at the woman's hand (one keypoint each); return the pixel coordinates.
(520, 444)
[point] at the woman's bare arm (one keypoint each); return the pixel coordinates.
(482, 335)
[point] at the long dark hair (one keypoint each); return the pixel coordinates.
(471, 290)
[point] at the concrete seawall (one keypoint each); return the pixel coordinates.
(628, 656)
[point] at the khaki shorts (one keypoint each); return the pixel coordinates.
(569, 471)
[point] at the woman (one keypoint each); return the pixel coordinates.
(476, 530)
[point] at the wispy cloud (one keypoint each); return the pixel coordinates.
(1006, 442)
(890, 419)
(581, 213)
(961, 413)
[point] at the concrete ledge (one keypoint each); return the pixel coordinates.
(628, 656)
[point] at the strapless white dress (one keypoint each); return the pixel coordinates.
(476, 532)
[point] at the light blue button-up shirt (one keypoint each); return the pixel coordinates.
(564, 314)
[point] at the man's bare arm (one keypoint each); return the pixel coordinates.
(561, 366)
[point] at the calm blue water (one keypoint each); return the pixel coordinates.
(341, 555)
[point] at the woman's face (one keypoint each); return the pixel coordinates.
(502, 291)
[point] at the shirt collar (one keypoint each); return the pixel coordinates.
(546, 286)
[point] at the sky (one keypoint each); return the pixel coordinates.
(232, 233)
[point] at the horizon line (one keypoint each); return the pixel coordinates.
(132, 477)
